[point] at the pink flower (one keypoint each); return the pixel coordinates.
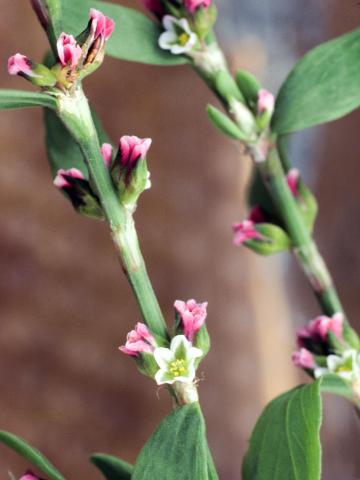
(193, 316)
(154, 6)
(69, 51)
(303, 359)
(292, 178)
(192, 5)
(19, 65)
(132, 148)
(138, 341)
(245, 231)
(106, 152)
(61, 181)
(102, 26)
(318, 329)
(266, 101)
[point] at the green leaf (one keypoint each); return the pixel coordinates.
(22, 99)
(224, 124)
(135, 37)
(285, 444)
(177, 450)
(31, 454)
(62, 149)
(323, 86)
(331, 383)
(112, 467)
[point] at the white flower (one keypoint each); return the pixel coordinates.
(347, 366)
(178, 36)
(177, 363)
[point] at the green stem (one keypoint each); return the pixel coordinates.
(75, 113)
(208, 64)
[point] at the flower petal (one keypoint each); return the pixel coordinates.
(163, 357)
(162, 376)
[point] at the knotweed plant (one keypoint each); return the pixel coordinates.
(104, 181)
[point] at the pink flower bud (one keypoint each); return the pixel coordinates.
(132, 148)
(292, 178)
(266, 101)
(138, 341)
(192, 5)
(106, 152)
(19, 65)
(155, 6)
(193, 316)
(29, 476)
(256, 215)
(61, 181)
(303, 359)
(69, 51)
(245, 231)
(102, 26)
(317, 330)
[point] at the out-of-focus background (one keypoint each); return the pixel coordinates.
(65, 306)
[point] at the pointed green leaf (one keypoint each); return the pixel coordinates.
(224, 124)
(21, 99)
(177, 450)
(112, 467)
(31, 454)
(323, 86)
(135, 37)
(285, 444)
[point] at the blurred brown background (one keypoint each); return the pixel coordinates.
(65, 306)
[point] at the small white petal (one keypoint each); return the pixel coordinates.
(169, 22)
(318, 372)
(163, 356)
(333, 361)
(193, 353)
(184, 24)
(162, 376)
(178, 341)
(167, 40)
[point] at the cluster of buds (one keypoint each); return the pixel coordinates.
(76, 57)
(263, 231)
(128, 169)
(186, 22)
(323, 349)
(173, 362)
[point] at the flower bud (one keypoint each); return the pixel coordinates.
(155, 6)
(69, 51)
(29, 476)
(193, 5)
(265, 108)
(192, 316)
(140, 344)
(130, 171)
(102, 26)
(35, 73)
(107, 153)
(73, 183)
(262, 238)
(303, 359)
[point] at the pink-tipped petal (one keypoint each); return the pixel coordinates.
(245, 231)
(138, 341)
(18, 64)
(132, 148)
(69, 51)
(29, 476)
(103, 26)
(292, 178)
(60, 181)
(192, 5)
(106, 152)
(266, 101)
(193, 316)
(303, 359)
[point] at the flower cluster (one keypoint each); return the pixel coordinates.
(185, 22)
(323, 349)
(77, 57)
(174, 361)
(128, 170)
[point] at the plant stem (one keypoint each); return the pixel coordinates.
(74, 111)
(208, 65)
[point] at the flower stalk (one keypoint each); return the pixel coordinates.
(74, 111)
